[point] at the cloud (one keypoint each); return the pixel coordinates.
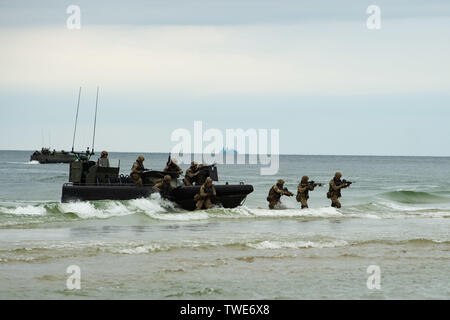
(329, 59)
(156, 78)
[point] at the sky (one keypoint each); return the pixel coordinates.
(311, 69)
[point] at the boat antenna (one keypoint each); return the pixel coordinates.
(95, 122)
(76, 120)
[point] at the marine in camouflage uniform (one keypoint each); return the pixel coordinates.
(191, 173)
(103, 161)
(202, 175)
(173, 168)
(303, 191)
(334, 192)
(207, 193)
(164, 187)
(276, 192)
(137, 170)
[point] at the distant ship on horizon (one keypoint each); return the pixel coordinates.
(47, 156)
(228, 151)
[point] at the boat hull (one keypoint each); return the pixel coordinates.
(72, 192)
(48, 158)
(228, 196)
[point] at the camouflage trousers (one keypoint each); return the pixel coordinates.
(303, 201)
(335, 203)
(137, 178)
(273, 203)
(203, 202)
(187, 182)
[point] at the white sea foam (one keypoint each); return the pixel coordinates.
(147, 206)
(324, 212)
(433, 214)
(296, 244)
(401, 211)
(87, 210)
(26, 210)
(158, 208)
(238, 212)
(188, 216)
(140, 249)
(161, 209)
(399, 207)
(81, 209)
(26, 162)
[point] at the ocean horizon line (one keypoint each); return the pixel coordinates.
(247, 154)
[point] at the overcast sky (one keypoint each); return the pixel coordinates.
(309, 68)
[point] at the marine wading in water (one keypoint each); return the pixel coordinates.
(336, 185)
(276, 192)
(303, 189)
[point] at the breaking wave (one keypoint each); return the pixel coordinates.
(25, 210)
(414, 197)
(155, 208)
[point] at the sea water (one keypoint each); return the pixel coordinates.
(394, 217)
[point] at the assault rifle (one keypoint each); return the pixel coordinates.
(289, 194)
(315, 184)
(211, 194)
(168, 160)
(348, 183)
